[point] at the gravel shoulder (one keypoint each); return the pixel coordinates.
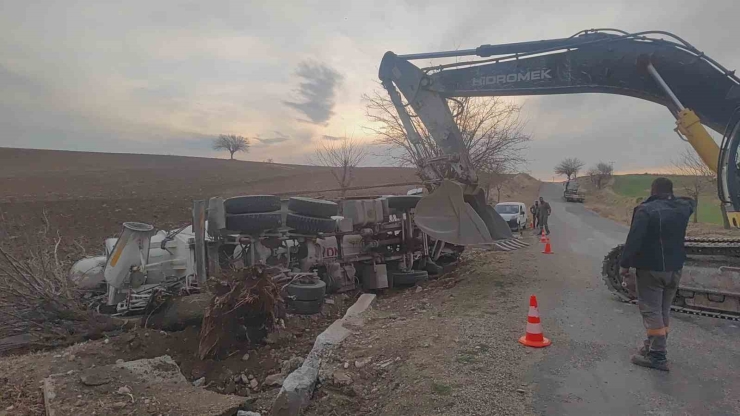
(448, 347)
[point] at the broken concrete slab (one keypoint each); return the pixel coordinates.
(149, 386)
(161, 369)
(295, 395)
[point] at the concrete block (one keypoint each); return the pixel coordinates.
(295, 395)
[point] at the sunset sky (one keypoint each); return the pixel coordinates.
(166, 77)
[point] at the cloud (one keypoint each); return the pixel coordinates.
(317, 91)
(165, 76)
(278, 138)
(332, 138)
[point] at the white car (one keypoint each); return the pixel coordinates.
(514, 213)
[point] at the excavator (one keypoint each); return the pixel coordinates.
(656, 66)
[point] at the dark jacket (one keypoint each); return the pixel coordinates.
(544, 211)
(656, 238)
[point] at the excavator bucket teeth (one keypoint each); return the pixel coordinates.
(446, 215)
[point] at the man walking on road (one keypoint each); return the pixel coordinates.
(542, 215)
(534, 209)
(655, 248)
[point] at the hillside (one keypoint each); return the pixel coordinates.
(624, 192)
(86, 196)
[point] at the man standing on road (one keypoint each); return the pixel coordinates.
(534, 209)
(543, 214)
(655, 247)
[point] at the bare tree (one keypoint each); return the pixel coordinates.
(569, 167)
(497, 181)
(231, 143)
(491, 128)
(601, 174)
(700, 177)
(343, 157)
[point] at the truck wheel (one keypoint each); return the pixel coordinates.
(307, 291)
(252, 223)
(305, 307)
(313, 207)
(310, 225)
(249, 204)
(403, 202)
(409, 278)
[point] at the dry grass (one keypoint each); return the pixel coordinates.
(38, 299)
(609, 204)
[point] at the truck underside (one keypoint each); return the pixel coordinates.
(368, 243)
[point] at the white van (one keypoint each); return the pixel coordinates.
(514, 213)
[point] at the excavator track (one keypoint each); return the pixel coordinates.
(709, 256)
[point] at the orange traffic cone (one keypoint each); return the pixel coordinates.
(534, 337)
(548, 250)
(543, 237)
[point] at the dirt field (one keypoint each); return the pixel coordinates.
(87, 196)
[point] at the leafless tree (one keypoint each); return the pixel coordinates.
(496, 180)
(601, 174)
(231, 143)
(343, 156)
(700, 177)
(569, 167)
(491, 128)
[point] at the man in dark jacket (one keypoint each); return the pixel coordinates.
(655, 248)
(543, 214)
(535, 210)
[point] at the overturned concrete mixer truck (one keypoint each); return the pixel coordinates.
(318, 246)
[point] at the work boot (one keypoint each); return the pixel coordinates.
(652, 359)
(645, 349)
(646, 346)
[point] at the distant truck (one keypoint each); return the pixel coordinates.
(572, 192)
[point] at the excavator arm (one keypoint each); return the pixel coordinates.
(654, 66)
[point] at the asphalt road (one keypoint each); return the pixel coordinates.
(587, 369)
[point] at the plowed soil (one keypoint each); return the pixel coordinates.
(86, 196)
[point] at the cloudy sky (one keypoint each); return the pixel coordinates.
(166, 76)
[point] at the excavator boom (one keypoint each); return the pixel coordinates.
(654, 66)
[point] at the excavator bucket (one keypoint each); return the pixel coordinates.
(450, 216)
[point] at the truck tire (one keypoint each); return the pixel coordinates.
(409, 278)
(310, 225)
(254, 223)
(403, 202)
(313, 207)
(305, 307)
(307, 291)
(249, 204)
